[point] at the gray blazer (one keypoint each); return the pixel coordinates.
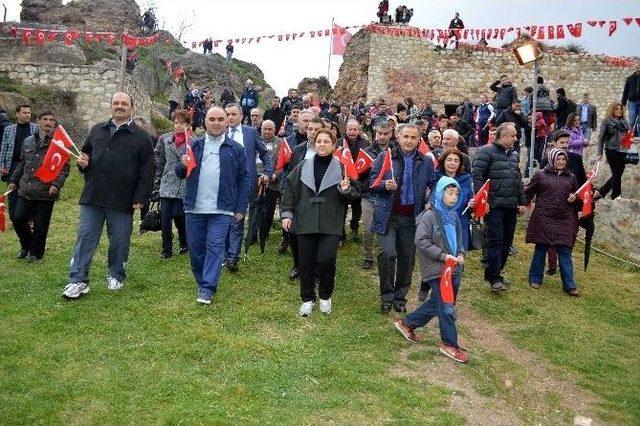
(166, 158)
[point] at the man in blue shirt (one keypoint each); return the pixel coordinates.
(216, 197)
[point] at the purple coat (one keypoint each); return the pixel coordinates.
(576, 140)
(554, 220)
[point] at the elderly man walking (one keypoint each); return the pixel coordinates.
(117, 163)
(216, 196)
(397, 199)
(506, 199)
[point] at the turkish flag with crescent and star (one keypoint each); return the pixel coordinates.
(364, 162)
(446, 281)
(482, 201)
(191, 158)
(56, 157)
(341, 38)
(344, 155)
(284, 154)
(585, 193)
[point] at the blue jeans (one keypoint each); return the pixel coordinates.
(634, 111)
(536, 271)
(119, 227)
(586, 130)
(446, 313)
(233, 240)
(206, 235)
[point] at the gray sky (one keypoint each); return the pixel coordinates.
(286, 63)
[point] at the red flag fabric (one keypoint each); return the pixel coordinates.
(40, 38)
(346, 159)
(55, 159)
(3, 215)
(386, 166)
(191, 159)
(340, 40)
(284, 155)
(482, 201)
(446, 281)
(364, 162)
(613, 26)
(627, 139)
(423, 148)
(627, 21)
(585, 193)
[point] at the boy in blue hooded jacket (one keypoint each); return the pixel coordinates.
(438, 237)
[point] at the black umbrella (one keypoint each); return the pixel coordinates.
(256, 218)
(589, 228)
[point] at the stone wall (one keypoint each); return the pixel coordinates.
(410, 66)
(93, 85)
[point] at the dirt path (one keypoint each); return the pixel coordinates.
(502, 384)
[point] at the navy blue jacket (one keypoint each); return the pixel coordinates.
(253, 144)
(234, 186)
(424, 177)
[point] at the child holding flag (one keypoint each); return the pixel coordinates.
(441, 252)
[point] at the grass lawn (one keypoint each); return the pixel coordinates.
(149, 354)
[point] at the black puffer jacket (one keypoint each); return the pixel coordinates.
(495, 163)
(33, 152)
(505, 95)
(631, 90)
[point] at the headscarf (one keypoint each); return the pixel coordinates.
(553, 155)
(448, 214)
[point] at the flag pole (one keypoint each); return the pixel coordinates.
(330, 48)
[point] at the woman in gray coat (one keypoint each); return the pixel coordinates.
(168, 152)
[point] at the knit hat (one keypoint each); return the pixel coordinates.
(553, 155)
(560, 134)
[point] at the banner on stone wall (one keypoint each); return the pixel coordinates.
(38, 36)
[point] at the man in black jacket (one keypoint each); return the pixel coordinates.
(35, 198)
(631, 98)
(514, 115)
(506, 93)
(117, 163)
(275, 113)
(564, 107)
(506, 199)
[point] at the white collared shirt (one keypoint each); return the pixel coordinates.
(237, 136)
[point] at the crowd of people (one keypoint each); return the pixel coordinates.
(410, 177)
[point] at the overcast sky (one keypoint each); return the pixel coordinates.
(286, 63)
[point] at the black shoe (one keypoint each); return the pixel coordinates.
(22, 254)
(33, 259)
(399, 307)
(232, 266)
(367, 264)
(184, 250)
(165, 255)
(294, 274)
(385, 308)
(552, 271)
(283, 247)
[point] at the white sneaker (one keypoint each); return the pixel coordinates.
(113, 284)
(325, 306)
(75, 290)
(306, 308)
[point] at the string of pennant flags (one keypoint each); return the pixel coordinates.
(539, 32)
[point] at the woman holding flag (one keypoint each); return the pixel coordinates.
(171, 188)
(313, 202)
(554, 221)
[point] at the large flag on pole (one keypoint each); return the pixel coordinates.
(341, 38)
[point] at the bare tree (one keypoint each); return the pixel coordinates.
(183, 23)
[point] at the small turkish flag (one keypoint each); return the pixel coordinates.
(284, 155)
(627, 139)
(341, 38)
(3, 215)
(387, 165)
(364, 162)
(26, 36)
(88, 37)
(344, 155)
(446, 281)
(68, 39)
(111, 38)
(55, 159)
(39, 38)
(482, 201)
(191, 159)
(585, 193)
(423, 148)
(51, 36)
